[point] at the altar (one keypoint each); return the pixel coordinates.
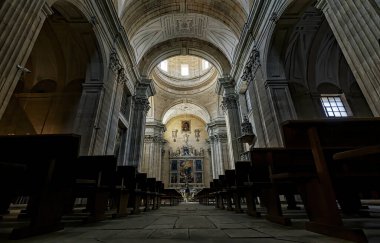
(186, 167)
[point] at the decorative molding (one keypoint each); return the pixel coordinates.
(251, 66)
(115, 64)
(246, 127)
(141, 104)
(230, 102)
(122, 79)
(191, 25)
(221, 137)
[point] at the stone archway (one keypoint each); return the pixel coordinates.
(64, 57)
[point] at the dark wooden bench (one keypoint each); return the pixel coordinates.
(172, 195)
(253, 178)
(321, 190)
(125, 187)
(38, 166)
(95, 179)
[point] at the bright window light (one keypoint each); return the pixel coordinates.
(164, 65)
(334, 106)
(205, 64)
(185, 69)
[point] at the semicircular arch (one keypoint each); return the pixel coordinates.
(189, 107)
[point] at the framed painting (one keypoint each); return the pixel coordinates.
(186, 126)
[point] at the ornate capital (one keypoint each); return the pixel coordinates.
(252, 65)
(246, 127)
(153, 139)
(230, 102)
(115, 64)
(148, 139)
(221, 137)
(142, 104)
(122, 78)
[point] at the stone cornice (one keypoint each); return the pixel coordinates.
(145, 88)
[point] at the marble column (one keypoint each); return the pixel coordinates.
(144, 89)
(20, 25)
(355, 25)
(230, 105)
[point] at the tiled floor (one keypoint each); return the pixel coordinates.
(193, 223)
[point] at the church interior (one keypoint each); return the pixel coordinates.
(190, 120)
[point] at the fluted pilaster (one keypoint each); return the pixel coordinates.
(356, 27)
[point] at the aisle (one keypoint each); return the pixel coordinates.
(187, 222)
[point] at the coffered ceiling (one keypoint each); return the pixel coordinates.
(151, 22)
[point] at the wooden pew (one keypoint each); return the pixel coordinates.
(150, 195)
(231, 192)
(324, 138)
(172, 195)
(38, 166)
(95, 179)
(125, 186)
(139, 193)
(254, 180)
(159, 193)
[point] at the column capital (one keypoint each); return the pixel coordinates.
(230, 102)
(221, 137)
(122, 79)
(141, 103)
(225, 85)
(115, 64)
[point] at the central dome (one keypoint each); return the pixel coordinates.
(184, 68)
(184, 73)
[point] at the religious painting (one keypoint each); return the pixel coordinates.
(186, 171)
(186, 126)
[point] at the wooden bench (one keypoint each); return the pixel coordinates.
(321, 190)
(125, 186)
(38, 166)
(172, 195)
(95, 179)
(254, 180)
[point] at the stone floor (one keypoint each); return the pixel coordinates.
(193, 223)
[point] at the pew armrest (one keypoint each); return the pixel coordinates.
(293, 175)
(357, 153)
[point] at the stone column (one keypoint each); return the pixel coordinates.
(86, 121)
(153, 149)
(281, 102)
(356, 27)
(144, 89)
(230, 105)
(120, 80)
(20, 25)
(220, 157)
(213, 158)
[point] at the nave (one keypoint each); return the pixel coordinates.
(193, 222)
